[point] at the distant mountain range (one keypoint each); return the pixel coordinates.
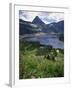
(26, 27)
(37, 25)
(55, 27)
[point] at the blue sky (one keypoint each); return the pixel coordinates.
(46, 17)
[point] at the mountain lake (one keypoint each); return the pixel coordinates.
(45, 39)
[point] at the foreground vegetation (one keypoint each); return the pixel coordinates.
(39, 61)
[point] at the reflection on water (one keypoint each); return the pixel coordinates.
(47, 40)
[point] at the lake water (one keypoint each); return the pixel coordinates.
(47, 40)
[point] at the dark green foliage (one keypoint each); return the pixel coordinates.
(51, 55)
(43, 50)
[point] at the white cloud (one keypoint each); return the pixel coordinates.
(47, 17)
(28, 16)
(52, 17)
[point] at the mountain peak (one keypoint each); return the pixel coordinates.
(37, 21)
(36, 17)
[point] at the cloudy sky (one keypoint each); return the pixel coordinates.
(46, 17)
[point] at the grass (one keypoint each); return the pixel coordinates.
(33, 62)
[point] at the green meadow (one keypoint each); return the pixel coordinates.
(40, 61)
